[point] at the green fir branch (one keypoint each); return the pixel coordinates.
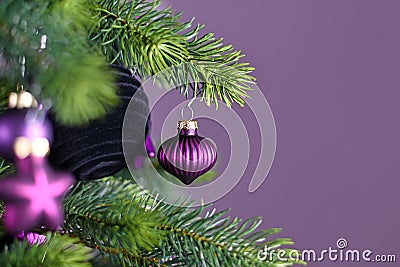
(110, 217)
(67, 71)
(5, 89)
(217, 240)
(58, 250)
(6, 168)
(133, 229)
(139, 35)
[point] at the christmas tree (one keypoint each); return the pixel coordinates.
(60, 51)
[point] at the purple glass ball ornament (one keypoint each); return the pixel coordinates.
(187, 155)
(22, 122)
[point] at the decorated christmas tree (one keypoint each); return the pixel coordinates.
(70, 69)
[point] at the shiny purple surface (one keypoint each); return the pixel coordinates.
(33, 196)
(151, 151)
(14, 123)
(187, 156)
(188, 132)
(32, 238)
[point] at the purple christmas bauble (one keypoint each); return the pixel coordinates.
(187, 155)
(25, 122)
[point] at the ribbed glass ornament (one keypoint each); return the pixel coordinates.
(187, 155)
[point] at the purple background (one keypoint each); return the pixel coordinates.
(330, 71)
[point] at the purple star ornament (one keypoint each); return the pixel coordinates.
(33, 196)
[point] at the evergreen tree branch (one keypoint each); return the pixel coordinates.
(58, 250)
(67, 70)
(140, 36)
(133, 229)
(115, 222)
(5, 90)
(6, 168)
(217, 240)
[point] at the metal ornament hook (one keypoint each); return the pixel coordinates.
(188, 106)
(182, 112)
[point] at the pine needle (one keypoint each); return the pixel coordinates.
(58, 250)
(131, 228)
(64, 69)
(140, 35)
